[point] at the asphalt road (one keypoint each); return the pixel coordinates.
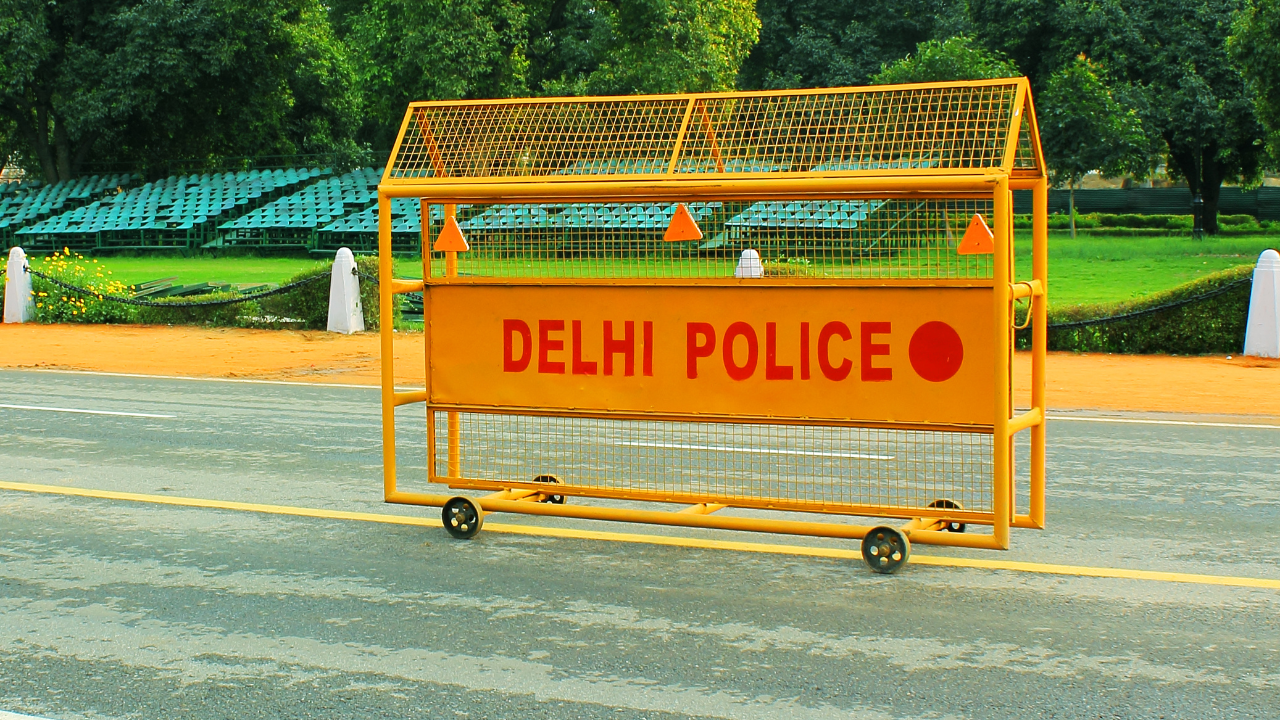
(125, 609)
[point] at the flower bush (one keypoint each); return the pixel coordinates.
(56, 305)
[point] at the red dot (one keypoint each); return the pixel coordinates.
(936, 351)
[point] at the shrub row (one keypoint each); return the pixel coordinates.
(306, 307)
(1136, 225)
(1213, 325)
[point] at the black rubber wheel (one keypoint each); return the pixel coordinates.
(954, 527)
(885, 549)
(553, 499)
(462, 518)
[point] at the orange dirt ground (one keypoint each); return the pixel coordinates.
(1203, 385)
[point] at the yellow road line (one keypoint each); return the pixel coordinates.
(674, 541)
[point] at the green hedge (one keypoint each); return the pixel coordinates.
(306, 307)
(1213, 325)
(310, 303)
(237, 315)
(1146, 225)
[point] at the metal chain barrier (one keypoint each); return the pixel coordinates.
(178, 304)
(1151, 310)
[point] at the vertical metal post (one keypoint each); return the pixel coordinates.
(450, 258)
(1039, 341)
(424, 215)
(386, 274)
(1000, 461)
(455, 429)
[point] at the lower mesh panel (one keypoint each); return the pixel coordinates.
(745, 464)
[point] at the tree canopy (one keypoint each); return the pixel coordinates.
(410, 50)
(1166, 59)
(144, 83)
(832, 43)
(957, 58)
(140, 84)
(1084, 128)
(642, 46)
(1255, 46)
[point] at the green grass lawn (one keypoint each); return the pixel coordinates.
(1110, 269)
(1084, 270)
(135, 270)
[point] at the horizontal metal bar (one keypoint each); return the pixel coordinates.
(1018, 423)
(851, 509)
(724, 282)
(923, 524)
(399, 286)
(1026, 522)
(550, 189)
(703, 508)
(1025, 289)
(679, 519)
(706, 417)
(938, 537)
(781, 94)
(413, 396)
(512, 495)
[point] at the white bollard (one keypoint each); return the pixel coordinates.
(18, 306)
(749, 265)
(345, 314)
(1262, 334)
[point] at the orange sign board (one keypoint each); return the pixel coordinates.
(886, 355)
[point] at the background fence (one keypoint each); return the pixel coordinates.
(1263, 203)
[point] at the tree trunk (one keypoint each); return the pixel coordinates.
(1210, 189)
(1203, 172)
(36, 131)
(62, 144)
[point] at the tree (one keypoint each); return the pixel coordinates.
(409, 50)
(832, 43)
(1084, 128)
(957, 58)
(144, 82)
(1026, 31)
(1255, 47)
(1167, 59)
(641, 46)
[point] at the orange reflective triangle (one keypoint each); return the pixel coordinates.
(451, 238)
(978, 239)
(683, 227)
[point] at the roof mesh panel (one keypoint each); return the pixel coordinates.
(925, 128)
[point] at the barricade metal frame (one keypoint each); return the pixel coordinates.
(980, 142)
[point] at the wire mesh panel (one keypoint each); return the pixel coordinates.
(800, 240)
(506, 140)
(943, 126)
(750, 465)
(902, 129)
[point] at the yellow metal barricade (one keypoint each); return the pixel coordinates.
(795, 301)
